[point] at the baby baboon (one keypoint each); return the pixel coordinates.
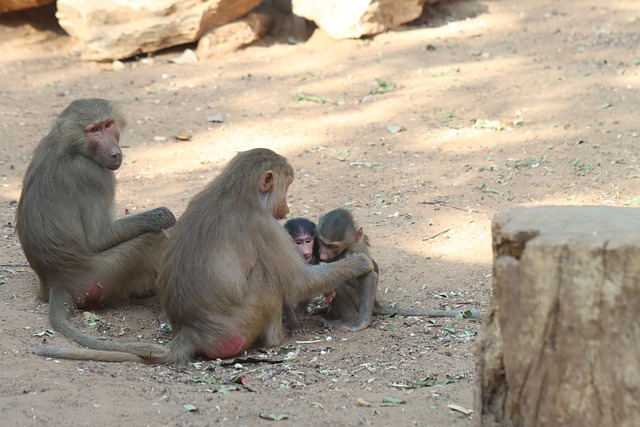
(355, 300)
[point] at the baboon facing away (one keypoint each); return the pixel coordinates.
(229, 266)
(65, 224)
(355, 300)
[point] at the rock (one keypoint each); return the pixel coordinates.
(13, 5)
(356, 18)
(286, 25)
(118, 29)
(187, 57)
(235, 35)
(118, 66)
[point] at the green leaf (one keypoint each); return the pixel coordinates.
(92, 319)
(395, 128)
(491, 190)
(382, 87)
(634, 201)
(189, 407)
(487, 124)
(392, 400)
(468, 314)
(311, 98)
(428, 381)
(227, 389)
(532, 163)
(203, 380)
(400, 385)
(458, 377)
(274, 417)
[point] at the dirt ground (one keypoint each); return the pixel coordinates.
(478, 106)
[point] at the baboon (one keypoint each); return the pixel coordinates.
(355, 300)
(229, 266)
(65, 224)
(303, 233)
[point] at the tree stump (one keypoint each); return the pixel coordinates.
(561, 340)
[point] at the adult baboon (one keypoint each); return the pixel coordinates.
(65, 224)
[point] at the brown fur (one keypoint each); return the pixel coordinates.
(355, 301)
(64, 221)
(230, 265)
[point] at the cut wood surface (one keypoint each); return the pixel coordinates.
(560, 343)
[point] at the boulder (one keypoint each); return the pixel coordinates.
(13, 5)
(342, 19)
(232, 36)
(117, 29)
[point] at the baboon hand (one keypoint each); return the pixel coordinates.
(160, 219)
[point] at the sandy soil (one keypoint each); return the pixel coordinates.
(497, 103)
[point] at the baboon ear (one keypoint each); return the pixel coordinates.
(266, 182)
(359, 234)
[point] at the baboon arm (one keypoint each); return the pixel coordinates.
(326, 277)
(367, 286)
(291, 317)
(130, 227)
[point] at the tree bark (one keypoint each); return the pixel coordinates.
(561, 340)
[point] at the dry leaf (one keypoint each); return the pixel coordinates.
(459, 408)
(362, 402)
(182, 136)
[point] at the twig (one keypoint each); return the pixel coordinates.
(309, 342)
(436, 235)
(439, 203)
(368, 164)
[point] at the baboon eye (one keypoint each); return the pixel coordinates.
(95, 129)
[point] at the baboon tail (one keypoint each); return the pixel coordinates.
(89, 354)
(61, 305)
